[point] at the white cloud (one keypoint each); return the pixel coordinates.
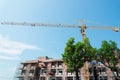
(9, 57)
(10, 50)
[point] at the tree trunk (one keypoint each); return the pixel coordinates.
(95, 72)
(117, 76)
(76, 72)
(37, 73)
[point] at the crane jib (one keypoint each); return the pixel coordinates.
(38, 24)
(116, 29)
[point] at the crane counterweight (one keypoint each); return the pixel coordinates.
(116, 29)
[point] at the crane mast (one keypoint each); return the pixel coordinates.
(82, 27)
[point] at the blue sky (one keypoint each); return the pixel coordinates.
(20, 43)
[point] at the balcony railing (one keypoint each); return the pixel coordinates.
(19, 76)
(31, 74)
(70, 74)
(24, 68)
(32, 68)
(60, 66)
(43, 74)
(53, 66)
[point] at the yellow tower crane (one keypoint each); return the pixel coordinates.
(83, 27)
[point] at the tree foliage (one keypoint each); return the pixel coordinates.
(76, 54)
(109, 55)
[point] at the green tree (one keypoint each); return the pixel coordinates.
(75, 55)
(109, 55)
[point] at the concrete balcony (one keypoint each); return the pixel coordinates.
(60, 66)
(43, 74)
(20, 75)
(31, 74)
(32, 68)
(24, 68)
(70, 74)
(103, 74)
(53, 66)
(59, 74)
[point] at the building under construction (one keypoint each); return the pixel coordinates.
(45, 68)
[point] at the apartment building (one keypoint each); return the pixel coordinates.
(55, 69)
